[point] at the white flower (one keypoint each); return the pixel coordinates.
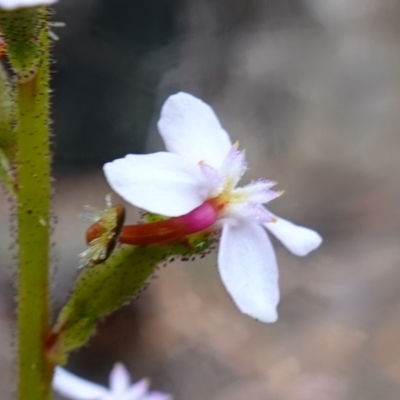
(202, 165)
(74, 387)
(13, 4)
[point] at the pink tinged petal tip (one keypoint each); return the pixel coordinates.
(170, 229)
(297, 239)
(138, 390)
(248, 269)
(259, 191)
(190, 128)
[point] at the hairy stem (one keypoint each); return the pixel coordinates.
(33, 216)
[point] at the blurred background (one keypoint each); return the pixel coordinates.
(311, 88)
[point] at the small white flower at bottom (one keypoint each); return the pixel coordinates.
(76, 388)
(13, 4)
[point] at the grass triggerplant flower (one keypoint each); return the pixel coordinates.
(202, 167)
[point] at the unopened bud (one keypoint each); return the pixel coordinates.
(23, 30)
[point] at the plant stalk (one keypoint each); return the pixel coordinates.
(33, 218)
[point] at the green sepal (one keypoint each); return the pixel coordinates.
(152, 217)
(105, 287)
(22, 29)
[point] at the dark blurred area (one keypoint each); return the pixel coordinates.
(311, 88)
(109, 64)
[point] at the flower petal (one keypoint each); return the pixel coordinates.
(297, 239)
(250, 211)
(190, 128)
(162, 183)
(137, 391)
(248, 269)
(13, 4)
(119, 379)
(234, 166)
(259, 191)
(213, 177)
(76, 388)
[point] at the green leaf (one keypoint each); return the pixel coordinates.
(21, 29)
(100, 290)
(105, 287)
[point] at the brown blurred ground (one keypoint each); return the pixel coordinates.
(312, 91)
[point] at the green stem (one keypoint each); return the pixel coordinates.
(33, 207)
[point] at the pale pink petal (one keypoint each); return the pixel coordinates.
(234, 166)
(248, 269)
(119, 379)
(13, 4)
(190, 128)
(76, 388)
(137, 391)
(162, 183)
(213, 177)
(259, 191)
(297, 239)
(250, 211)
